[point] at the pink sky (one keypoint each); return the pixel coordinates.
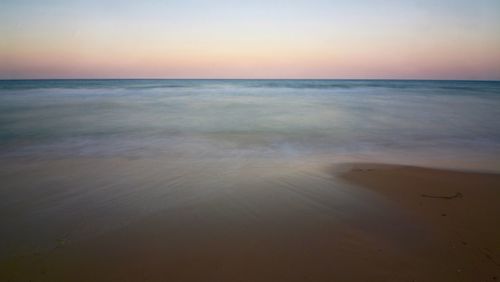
(282, 39)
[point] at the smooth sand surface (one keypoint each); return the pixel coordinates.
(462, 207)
(304, 224)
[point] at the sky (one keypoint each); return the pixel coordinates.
(358, 39)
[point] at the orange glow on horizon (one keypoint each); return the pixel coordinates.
(350, 46)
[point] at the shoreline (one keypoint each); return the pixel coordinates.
(352, 222)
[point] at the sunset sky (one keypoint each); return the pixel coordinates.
(447, 39)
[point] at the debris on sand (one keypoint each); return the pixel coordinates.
(457, 195)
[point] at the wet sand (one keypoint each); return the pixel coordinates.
(261, 223)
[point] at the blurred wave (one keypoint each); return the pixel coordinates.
(251, 118)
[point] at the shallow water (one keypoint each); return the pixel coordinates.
(80, 157)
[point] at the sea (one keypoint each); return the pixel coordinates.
(79, 158)
(438, 123)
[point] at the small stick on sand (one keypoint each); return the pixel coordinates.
(457, 195)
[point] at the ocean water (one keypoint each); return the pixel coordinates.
(80, 158)
(440, 123)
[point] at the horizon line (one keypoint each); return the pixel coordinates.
(187, 78)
